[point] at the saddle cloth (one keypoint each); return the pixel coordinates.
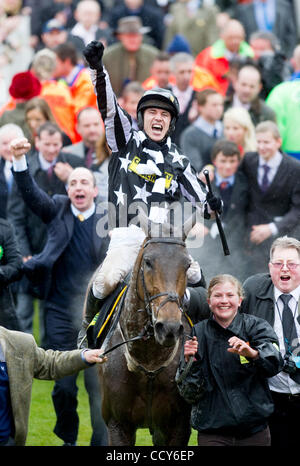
(102, 322)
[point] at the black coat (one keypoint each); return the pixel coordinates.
(234, 396)
(10, 271)
(259, 297)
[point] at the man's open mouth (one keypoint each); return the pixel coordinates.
(285, 278)
(157, 128)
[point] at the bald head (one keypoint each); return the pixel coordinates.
(82, 172)
(248, 84)
(233, 34)
(82, 189)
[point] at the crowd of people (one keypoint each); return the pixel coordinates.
(204, 85)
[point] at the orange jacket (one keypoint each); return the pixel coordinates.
(82, 89)
(59, 98)
(213, 60)
(201, 79)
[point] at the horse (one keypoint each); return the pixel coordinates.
(138, 385)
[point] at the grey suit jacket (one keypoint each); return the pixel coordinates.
(284, 27)
(26, 361)
(76, 149)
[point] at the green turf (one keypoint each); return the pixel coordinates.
(42, 418)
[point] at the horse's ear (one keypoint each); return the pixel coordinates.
(188, 225)
(145, 223)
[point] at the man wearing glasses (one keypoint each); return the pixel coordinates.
(275, 297)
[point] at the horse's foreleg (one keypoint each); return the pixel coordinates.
(120, 434)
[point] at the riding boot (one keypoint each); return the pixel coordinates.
(91, 307)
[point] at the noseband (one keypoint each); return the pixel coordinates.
(171, 296)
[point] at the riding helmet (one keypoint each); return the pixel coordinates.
(158, 98)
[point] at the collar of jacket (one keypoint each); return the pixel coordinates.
(234, 327)
(218, 49)
(265, 289)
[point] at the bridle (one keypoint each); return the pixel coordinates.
(171, 296)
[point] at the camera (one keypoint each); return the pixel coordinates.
(289, 365)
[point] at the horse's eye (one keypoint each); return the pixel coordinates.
(148, 263)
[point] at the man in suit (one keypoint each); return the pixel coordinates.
(247, 88)
(198, 139)
(182, 67)
(20, 362)
(50, 168)
(61, 272)
(274, 296)
(276, 16)
(274, 190)
(90, 128)
(232, 186)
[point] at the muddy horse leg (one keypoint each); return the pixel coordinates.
(121, 434)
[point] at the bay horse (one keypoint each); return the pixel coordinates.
(138, 380)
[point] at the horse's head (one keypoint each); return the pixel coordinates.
(162, 282)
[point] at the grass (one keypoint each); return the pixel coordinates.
(42, 418)
(42, 415)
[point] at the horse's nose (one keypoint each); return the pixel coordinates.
(167, 333)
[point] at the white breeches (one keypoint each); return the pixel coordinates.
(122, 252)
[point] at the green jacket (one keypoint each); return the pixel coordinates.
(117, 61)
(25, 361)
(284, 99)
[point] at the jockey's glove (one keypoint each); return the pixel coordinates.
(93, 54)
(215, 203)
(193, 273)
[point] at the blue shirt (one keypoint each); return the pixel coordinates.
(265, 13)
(219, 180)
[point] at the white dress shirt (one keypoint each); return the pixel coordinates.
(282, 382)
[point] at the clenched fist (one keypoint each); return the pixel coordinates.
(19, 147)
(93, 54)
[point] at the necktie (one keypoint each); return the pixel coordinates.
(289, 330)
(215, 134)
(80, 217)
(50, 172)
(224, 185)
(288, 324)
(265, 179)
(89, 158)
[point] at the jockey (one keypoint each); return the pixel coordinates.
(146, 170)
